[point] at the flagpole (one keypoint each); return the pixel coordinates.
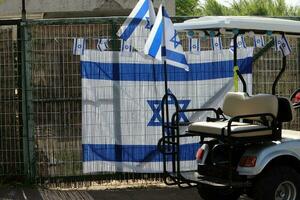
(165, 67)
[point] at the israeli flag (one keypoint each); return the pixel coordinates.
(241, 43)
(79, 46)
(216, 43)
(259, 41)
(137, 26)
(121, 105)
(164, 43)
(285, 46)
(126, 46)
(102, 44)
(194, 45)
(277, 40)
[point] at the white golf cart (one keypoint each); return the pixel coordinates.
(244, 148)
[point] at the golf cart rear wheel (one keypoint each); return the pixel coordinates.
(278, 183)
(212, 193)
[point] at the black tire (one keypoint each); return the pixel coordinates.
(207, 192)
(275, 178)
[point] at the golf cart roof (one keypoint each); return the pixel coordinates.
(260, 25)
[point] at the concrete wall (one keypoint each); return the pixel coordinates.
(73, 8)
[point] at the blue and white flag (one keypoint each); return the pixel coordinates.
(137, 26)
(240, 41)
(285, 46)
(277, 40)
(259, 41)
(102, 44)
(121, 105)
(216, 43)
(126, 46)
(164, 43)
(79, 45)
(194, 45)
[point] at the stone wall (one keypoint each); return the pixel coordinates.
(73, 8)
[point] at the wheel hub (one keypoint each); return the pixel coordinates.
(286, 191)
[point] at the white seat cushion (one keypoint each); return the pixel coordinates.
(217, 127)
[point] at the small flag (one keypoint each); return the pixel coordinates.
(102, 44)
(216, 43)
(194, 45)
(285, 46)
(126, 46)
(79, 46)
(259, 41)
(137, 26)
(277, 41)
(240, 41)
(164, 43)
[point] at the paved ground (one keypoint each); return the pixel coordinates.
(120, 194)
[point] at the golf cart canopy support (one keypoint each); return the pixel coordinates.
(259, 25)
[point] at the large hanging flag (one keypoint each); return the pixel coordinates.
(164, 43)
(137, 26)
(122, 110)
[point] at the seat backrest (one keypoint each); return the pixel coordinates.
(239, 103)
(285, 110)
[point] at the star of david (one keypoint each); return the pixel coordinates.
(175, 41)
(239, 43)
(149, 25)
(79, 46)
(155, 105)
(258, 41)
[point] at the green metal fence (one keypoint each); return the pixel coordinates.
(40, 96)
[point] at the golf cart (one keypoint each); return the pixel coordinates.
(244, 148)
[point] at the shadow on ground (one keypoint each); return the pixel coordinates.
(120, 194)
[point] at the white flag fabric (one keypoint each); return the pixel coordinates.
(102, 44)
(126, 46)
(121, 105)
(240, 41)
(216, 43)
(277, 40)
(163, 42)
(285, 46)
(137, 26)
(79, 46)
(194, 45)
(259, 41)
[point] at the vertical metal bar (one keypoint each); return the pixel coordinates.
(279, 75)
(19, 86)
(116, 97)
(27, 105)
(23, 10)
(235, 66)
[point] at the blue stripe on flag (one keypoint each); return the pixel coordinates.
(135, 21)
(133, 153)
(151, 72)
(157, 40)
(165, 13)
(176, 57)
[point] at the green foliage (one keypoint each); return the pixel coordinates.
(238, 7)
(187, 7)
